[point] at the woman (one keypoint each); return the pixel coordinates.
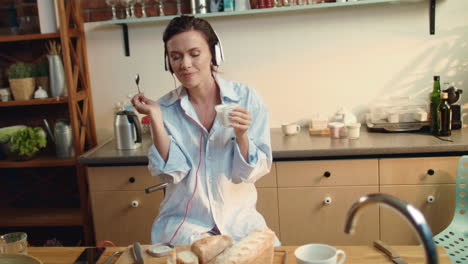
(211, 169)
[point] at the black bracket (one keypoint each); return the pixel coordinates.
(125, 39)
(432, 17)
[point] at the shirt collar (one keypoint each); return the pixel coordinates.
(228, 94)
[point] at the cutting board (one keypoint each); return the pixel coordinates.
(127, 256)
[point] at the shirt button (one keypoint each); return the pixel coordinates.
(211, 138)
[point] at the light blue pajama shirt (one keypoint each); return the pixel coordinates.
(226, 195)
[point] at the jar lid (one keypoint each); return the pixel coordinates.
(354, 125)
(335, 125)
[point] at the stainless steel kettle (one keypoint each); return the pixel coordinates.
(127, 130)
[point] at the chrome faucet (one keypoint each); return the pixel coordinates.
(409, 212)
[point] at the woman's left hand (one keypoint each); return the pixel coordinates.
(240, 120)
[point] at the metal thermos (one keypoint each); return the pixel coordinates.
(127, 130)
(63, 139)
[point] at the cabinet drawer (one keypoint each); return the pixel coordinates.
(418, 170)
(327, 173)
(267, 205)
(115, 218)
(119, 178)
(305, 218)
(439, 213)
(268, 180)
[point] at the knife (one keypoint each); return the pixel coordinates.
(385, 248)
(138, 253)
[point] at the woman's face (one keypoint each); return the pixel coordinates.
(190, 58)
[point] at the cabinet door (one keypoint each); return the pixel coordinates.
(267, 205)
(120, 178)
(327, 173)
(305, 218)
(268, 180)
(395, 230)
(118, 220)
(418, 170)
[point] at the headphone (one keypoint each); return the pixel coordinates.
(216, 53)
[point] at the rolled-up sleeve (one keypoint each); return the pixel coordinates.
(259, 154)
(177, 165)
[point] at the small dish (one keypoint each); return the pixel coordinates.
(160, 249)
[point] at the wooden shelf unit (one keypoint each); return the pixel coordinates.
(41, 161)
(41, 217)
(37, 36)
(80, 96)
(79, 111)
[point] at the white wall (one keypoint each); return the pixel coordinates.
(301, 62)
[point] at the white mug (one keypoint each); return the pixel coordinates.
(319, 254)
(224, 110)
(290, 129)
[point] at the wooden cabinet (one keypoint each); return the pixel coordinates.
(306, 218)
(316, 211)
(122, 212)
(267, 201)
(64, 205)
(428, 184)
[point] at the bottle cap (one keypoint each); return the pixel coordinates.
(444, 95)
(436, 78)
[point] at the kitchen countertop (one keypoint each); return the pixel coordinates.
(354, 255)
(305, 146)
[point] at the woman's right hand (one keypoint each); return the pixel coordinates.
(145, 105)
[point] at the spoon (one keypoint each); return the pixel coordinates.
(137, 81)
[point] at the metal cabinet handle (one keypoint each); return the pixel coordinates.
(327, 174)
(131, 179)
(430, 172)
(430, 199)
(135, 203)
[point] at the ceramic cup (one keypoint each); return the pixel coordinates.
(14, 243)
(223, 110)
(319, 254)
(290, 129)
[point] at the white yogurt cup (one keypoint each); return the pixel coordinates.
(353, 130)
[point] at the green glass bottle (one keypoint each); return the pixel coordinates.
(435, 101)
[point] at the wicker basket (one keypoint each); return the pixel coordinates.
(22, 89)
(44, 83)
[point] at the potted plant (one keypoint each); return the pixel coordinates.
(22, 84)
(25, 143)
(41, 74)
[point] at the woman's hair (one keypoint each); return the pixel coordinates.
(187, 23)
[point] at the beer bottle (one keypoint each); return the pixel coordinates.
(435, 101)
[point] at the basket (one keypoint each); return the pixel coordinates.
(22, 89)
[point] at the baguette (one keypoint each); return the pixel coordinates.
(171, 257)
(257, 246)
(186, 257)
(209, 247)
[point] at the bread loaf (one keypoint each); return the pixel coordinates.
(209, 247)
(256, 248)
(171, 257)
(186, 257)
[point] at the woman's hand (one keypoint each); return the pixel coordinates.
(145, 106)
(240, 120)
